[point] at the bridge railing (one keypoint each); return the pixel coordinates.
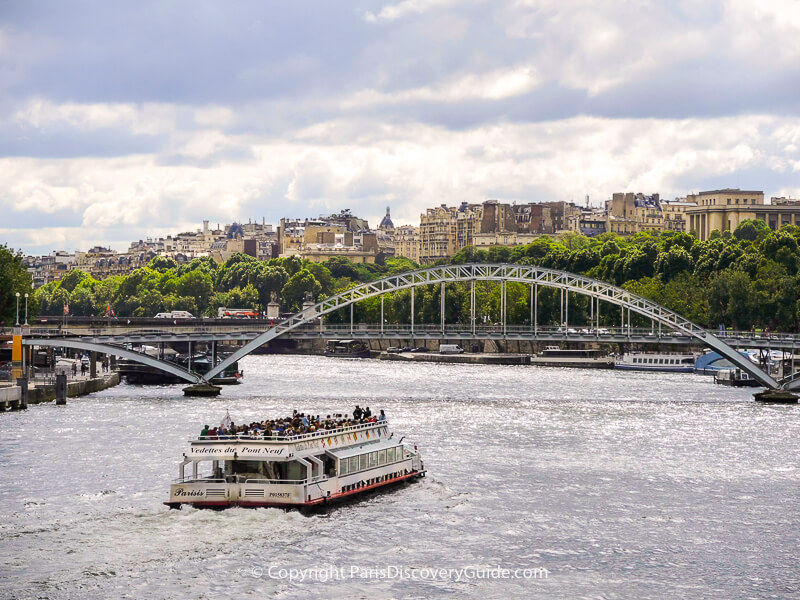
(360, 329)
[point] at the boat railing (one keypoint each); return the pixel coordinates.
(278, 481)
(198, 480)
(294, 438)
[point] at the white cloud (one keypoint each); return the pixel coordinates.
(149, 119)
(416, 165)
(392, 12)
(495, 85)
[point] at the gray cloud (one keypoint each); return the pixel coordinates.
(133, 115)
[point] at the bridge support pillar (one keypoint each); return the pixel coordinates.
(92, 365)
(22, 382)
(776, 397)
(61, 389)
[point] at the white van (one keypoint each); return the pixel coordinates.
(450, 349)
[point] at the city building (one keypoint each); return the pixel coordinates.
(320, 239)
(444, 230)
(724, 209)
(407, 242)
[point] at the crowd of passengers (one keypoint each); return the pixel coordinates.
(298, 424)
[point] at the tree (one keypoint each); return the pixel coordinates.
(293, 293)
(80, 302)
(72, 279)
(749, 229)
(340, 266)
(162, 263)
(13, 278)
(676, 260)
(198, 285)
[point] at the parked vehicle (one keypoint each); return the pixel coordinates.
(236, 313)
(175, 314)
(450, 349)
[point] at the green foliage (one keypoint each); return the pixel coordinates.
(72, 279)
(14, 278)
(293, 293)
(749, 229)
(750, 278)
(162, 263)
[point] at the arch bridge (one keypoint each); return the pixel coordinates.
(531, 275)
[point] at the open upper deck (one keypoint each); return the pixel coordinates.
(282, 447)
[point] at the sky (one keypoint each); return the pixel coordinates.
(126, 120)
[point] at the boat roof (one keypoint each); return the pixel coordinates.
(282, 448)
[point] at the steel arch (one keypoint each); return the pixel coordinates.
(529, 274)
(106, 349)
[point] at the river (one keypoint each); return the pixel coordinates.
(542, 483)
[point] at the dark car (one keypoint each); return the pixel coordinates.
(420, 349)
(406, 349)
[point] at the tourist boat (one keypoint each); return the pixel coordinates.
(306, 470)
(347, 349)
(647, 361)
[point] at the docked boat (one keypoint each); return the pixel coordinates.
(297, 471)
(650, 361)
(347, 349)
(555, 356)
(735, 378)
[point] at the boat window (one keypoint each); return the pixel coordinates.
(353, 464)
(373, 459)
(344, 466)
(251, 469)
(382, 457)
(390, 455)
(295, 470)
(363, 461)
(205, 469)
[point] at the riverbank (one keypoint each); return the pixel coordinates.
(466, 358)
(10, 397)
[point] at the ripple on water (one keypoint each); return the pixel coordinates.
(619, 484)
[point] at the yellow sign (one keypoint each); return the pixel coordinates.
(16, 356)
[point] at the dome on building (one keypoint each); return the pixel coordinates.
(386, 223)
(235, 231)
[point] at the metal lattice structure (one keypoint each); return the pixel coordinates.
(139, 357)
(532, 275)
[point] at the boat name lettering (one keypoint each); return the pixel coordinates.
(180, 492)
(279, 494)
(239, 449)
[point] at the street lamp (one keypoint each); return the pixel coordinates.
(17, 308)
(26, 308)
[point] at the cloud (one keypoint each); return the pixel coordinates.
(411, 166)
(391, 12)
(495, 85)
(138, 118)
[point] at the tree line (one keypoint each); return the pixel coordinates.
(747, 278)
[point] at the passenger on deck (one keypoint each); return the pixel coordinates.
(382, 416)
(367, 413)
(358, 413)
(204, 433)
